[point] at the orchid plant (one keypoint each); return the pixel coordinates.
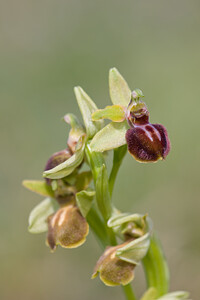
(76, 200)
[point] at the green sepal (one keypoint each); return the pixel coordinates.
(180, 295)
(115, 113)
(136, 250)
(38, 216)
(84, 201)
(102, 193)
(68, 166)
(120, 92)
(150, 294)
(110, 137)
(87, 107)
(38, 186)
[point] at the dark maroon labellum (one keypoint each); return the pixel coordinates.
(148, 142)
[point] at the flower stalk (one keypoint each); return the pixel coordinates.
(72, 205)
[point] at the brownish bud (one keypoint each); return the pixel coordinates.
(147, 142)
(67, 228)
(112, 270)
(56, 159)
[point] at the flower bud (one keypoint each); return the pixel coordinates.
(112, 270)
(67, 228)
(57, 158)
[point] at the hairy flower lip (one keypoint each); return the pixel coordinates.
(148, 142)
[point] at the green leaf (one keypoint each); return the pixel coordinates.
(175, 296)
(115, 113)
(102, 193)
(110, 137)
(150, 294)
(135, 251)
(38, 216)
(68, 166)
(120, 92)
(83, 180)
(84, 201)
(38, 186)
(87, 107)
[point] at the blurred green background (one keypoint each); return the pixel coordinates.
(48, 47)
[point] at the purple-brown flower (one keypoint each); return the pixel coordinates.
(146, 142)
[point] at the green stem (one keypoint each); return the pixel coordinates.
(156, 269)
(128, 291)
(118, 156)
(104, 188)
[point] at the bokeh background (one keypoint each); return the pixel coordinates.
(48, 47)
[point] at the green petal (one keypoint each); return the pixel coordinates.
(68, 166)
(38, 186)
(135, 251)
(38, 216)
(115, 113)
(87, 107)
(110, 137)
(150, 294)
(84, 201)
(175, 296)
(120, 92)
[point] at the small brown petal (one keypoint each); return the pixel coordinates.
(67, 228)
(112, 270)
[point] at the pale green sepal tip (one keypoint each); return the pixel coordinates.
(120, 92)
(38, 216)
(150, 294)
(67, 167)
(84, 201)
(179, 295)
(110, 137)
(87, 107)
(136, 250)
(38, 186)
